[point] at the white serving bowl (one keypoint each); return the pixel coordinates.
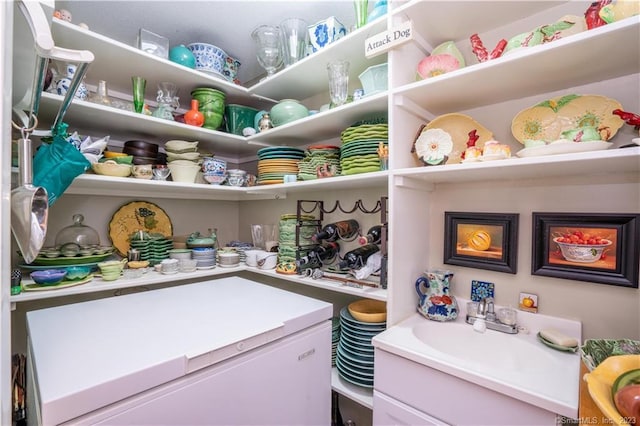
(583, 253)
(183, 172)
(267, 260)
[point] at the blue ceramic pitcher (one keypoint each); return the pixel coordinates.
(435, 301)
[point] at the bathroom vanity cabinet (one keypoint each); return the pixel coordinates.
(604, 61)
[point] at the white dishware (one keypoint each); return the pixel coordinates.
(267, 260)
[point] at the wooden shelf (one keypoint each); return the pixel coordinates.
(325, 125)
(366, 292)
(613, 161)
(359, 394)
(308, 77)
(152, 278)
(116, 62)
(126, 125)
(518, 74)
(92, 184)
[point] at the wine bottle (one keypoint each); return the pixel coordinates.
(338, 230)
(318, 254)
(374, 236)
(357, 258)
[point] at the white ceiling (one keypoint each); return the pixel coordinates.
(225, 23)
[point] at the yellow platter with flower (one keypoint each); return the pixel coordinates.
(548, 119)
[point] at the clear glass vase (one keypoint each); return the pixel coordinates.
(268, 43)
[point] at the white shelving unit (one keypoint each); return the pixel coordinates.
(586, 58)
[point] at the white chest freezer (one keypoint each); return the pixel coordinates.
(228, 351)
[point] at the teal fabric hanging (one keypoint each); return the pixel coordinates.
(56, 165)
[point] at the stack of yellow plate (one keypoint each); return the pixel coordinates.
(276, 162)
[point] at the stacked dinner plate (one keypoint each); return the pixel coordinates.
(359, 150)
(206, 257)
(154, 249)
(276, 162)
(320, 161)
(354, 359)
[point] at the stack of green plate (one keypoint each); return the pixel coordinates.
(320, 161)
(359, 150)
(276, 162)
(287, 235)
(155, 250)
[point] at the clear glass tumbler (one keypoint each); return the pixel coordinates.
(269, 54)
(294, 33)
(338, 81)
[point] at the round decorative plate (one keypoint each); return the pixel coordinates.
(137, 216)
(458, 126)
(547, 120)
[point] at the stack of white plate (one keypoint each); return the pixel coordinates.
(354, 358)
(205, 256)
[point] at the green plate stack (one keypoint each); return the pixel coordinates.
(359, 150)
(320, 161)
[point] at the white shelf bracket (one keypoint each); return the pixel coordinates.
(413, 108)
(415, 37)
(413, 183)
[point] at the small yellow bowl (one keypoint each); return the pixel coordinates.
(113, 154)
(600, 381)
(137, 264)
(111, 168)
(368, 310)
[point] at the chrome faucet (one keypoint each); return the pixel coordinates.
(486, 312)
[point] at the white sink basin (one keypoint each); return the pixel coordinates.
(517, 365)
(487, 350)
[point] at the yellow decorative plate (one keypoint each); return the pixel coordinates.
(458, 126)
(600, 380)
(137, 216)
(547, 120)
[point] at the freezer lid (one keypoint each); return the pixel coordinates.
(90, 354)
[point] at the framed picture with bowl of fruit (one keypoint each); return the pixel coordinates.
(481, 240)
(595, 247)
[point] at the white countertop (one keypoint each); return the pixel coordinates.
(89, 354)
(542, 376)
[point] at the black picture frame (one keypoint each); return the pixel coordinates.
(553, 256)
(481, 240)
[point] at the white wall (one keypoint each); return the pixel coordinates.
(606, 311)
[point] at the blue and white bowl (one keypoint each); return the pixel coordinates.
(209, 58)
(324, 32)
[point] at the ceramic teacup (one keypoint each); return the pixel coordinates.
(251, 258)
(143, 171)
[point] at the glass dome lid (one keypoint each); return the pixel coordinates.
(78, 233)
